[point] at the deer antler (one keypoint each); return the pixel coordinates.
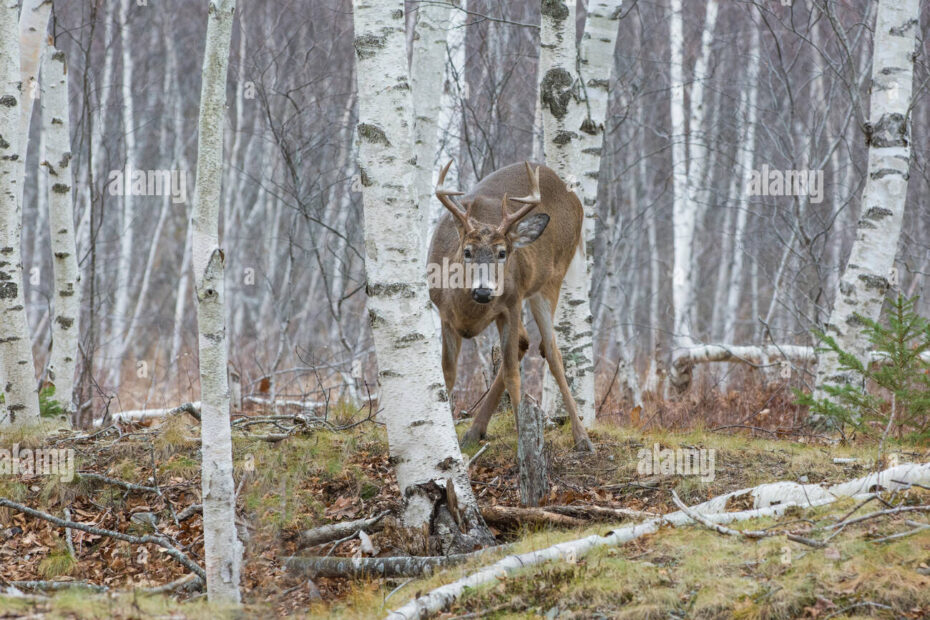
(530, 201)
(445, 197)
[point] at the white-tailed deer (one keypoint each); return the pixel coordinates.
(508, 257)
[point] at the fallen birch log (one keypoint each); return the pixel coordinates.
(136, 415)
(397, 566)
(763, 355)
(300, 404)
(769, 500)
(335, 531)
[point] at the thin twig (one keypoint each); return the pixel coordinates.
(880, 513)
(129, 486)
(472, 460)
(912, 484)
(716, 526)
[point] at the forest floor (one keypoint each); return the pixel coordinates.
(317, 476)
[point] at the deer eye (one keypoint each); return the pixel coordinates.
(502, 254)
(467, 253)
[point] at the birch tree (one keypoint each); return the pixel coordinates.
(427, 66)
(33, 23)
(746, 159)
(127, 244)
(573, 109)
(222, 549)
(683, 213)
(420, 431)
(21, 402)
(450, 120)
(56, 163)
(862, 288)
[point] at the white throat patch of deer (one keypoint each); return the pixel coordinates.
(509, 251)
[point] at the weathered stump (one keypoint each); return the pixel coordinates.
(534, 479)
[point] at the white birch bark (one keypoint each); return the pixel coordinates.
(761, 355)
(56, 127)
(574, 82)
(864, 283)
(421, 434)
(21, 402)
(696, 138)
(742, 209)
(595, 66)
(122, 291)
(450, 119)
(222, 549)
(769, 500)
(684, 212)
(427, 66)
(33, 24)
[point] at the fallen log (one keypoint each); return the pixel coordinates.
(187, 582)
(136, 415)
(299, 404)
(510, 515)
(601, 513)
(398, 566)
(335, 531)
(55, 586)
(685, 360)
(895, 478)
(751, 534)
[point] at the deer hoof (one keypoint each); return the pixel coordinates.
(584, 445)
(471, 438)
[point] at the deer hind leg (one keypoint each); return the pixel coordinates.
(543, 311)
(492, 399)
(451, 343)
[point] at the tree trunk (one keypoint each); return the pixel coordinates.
(222, 549)
(421, 433)
(21, 402)
(862, 288)
(67, 291)
(742, 214)
(684, 213)
(127, 246)
(450, 118)
(573, 90)
(426, 75)
(531, 455)
(33, 24)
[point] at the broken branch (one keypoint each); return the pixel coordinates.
(161, 541)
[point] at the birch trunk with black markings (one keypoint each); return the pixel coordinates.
(56, 163)
(222, 549)
(17, 368)
(866, 279)
(431, 474)
(573, 83)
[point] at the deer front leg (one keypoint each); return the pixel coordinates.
(510, 347)
(451, 343)
(543, 312)
(492, 399)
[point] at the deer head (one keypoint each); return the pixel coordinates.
(485, 248)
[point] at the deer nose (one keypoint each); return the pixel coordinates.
(481, 295)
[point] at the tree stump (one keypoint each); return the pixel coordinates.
(534, 480)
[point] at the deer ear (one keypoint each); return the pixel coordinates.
(528, 229)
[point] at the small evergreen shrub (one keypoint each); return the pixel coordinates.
(893, 392)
